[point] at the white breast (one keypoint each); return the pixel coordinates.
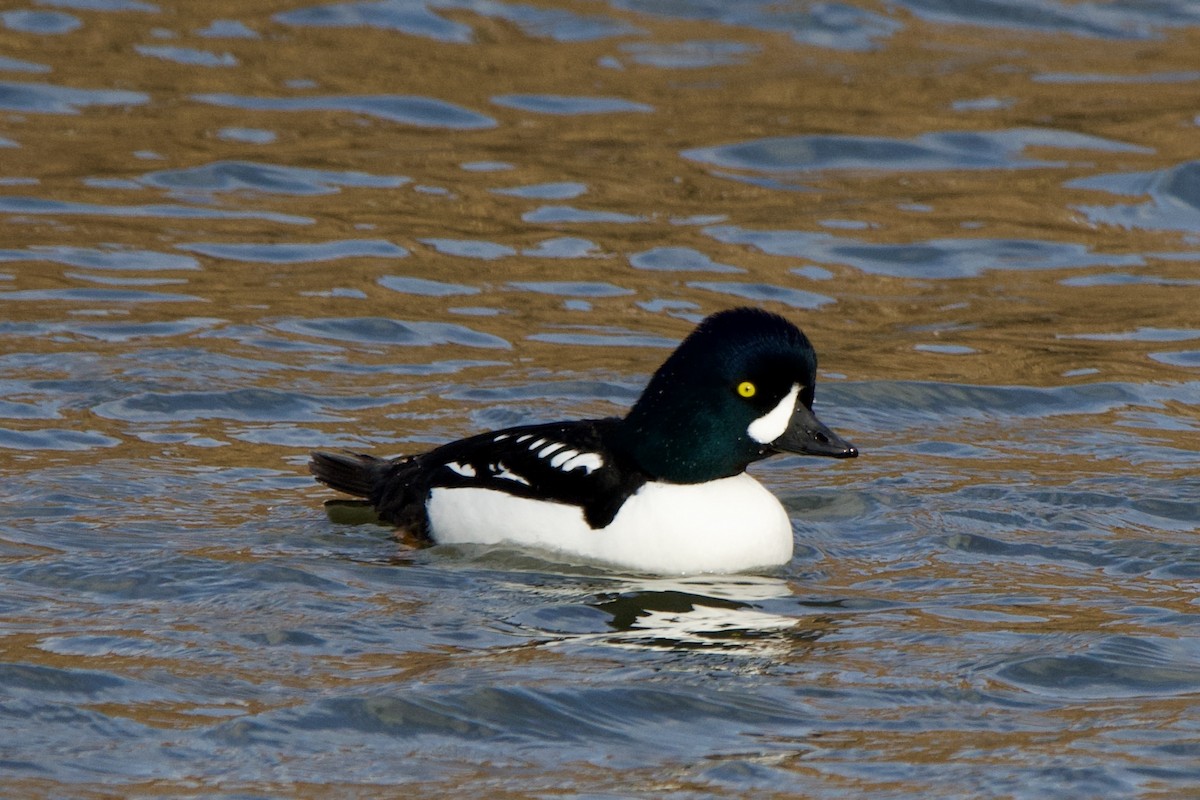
(728, 525)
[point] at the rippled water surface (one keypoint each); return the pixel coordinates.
(231, 232)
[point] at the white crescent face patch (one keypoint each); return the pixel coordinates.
(770, 426)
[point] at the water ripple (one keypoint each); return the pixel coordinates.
(656, 717)
(413, 19)
(247, 135)
(765, 292)
(689, 55)
(417, 19)
(280, 253)
(37, 678)
(8, 64)
(922, 402)
(246, 405)
(470, 248)
(187, 55)
(839, 26)
(1183, 358)
(557, 215)
(46, 98)
(45, 23)
(1120, 666)
(1092, 77)
(563, 105)
(103, 5)
(377, 330)
(563, 247)
(54, 439)
(1174, 198)
(106, 258)
(178, 577)
(678, 259)
(572, 288)
(941, 258)
(239, 176)
(562, 190)
(99, 296)
(551, 23)
(580, 390)
(111, 331)
(955, 150)
(227, 29)
(424, 287)
(584, 336)
(423, 112)
(997, 599)
(1124, 19)
(37, 205)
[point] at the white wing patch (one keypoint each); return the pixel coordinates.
(590, 462)
(562, 457)
(770, 426)
(559, 456)
(501, 471)
(552, 455)
(466, 470)
(550, 448)
(565, 455)
(556, 455)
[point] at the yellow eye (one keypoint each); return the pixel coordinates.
(746, 389)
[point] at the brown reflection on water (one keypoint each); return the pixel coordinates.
(1014, 326)
(1000, 327)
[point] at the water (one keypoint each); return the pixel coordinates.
(230, 235)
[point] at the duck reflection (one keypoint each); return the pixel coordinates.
(748, 615)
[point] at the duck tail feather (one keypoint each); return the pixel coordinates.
(353, 473)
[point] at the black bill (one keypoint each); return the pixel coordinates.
(809, 436)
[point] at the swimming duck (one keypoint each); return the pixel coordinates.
(663, 490)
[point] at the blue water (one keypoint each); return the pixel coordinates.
(229, 236)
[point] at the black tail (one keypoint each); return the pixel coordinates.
(351, 473)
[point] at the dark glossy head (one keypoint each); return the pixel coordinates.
(737, 389)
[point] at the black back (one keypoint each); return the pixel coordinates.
(505, 461)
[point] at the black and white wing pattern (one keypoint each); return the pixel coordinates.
(576, 463)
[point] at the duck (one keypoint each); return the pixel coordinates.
(661, 491)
